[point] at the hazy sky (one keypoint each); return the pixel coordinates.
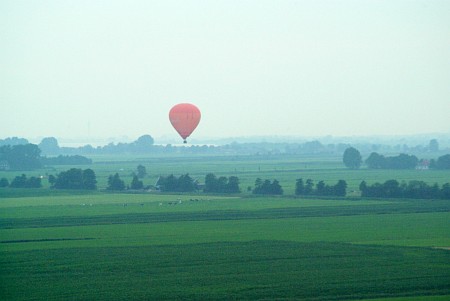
(307, 68)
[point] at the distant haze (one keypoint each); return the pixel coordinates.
(304, 68)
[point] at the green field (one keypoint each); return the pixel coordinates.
(65, 245)
(285, 168)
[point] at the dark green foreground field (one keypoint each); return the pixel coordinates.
(154, 247)
(225, 270)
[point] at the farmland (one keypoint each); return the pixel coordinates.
(57, 244)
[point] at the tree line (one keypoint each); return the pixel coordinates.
(352, 159)
(145, 144)
(402, 161)
(412, 189)
(50, 146)
(267, 187)
(320, 189)
(221, 184)
(18, 154)
(115, 183)
(76, 178)
(22, 181)
(28, 157)
(442, 162)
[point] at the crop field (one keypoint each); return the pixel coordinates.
(68, 245)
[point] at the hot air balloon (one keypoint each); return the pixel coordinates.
(184, 118)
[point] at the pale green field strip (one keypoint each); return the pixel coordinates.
(418, 229)
(218, 215)
(92, 205)
(215, 214)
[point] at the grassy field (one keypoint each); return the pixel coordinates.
(65, 245)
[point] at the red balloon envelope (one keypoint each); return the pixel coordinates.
(184, 118)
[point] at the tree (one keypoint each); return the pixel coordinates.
(70, 179)
(169, 183)
(49, 146)
(141, 171)
(89, 179)
(414, 189)
(233, 185)
(391, 189)
(51, 180)
(136, 183)
(312, 147)
(143, 143)
(276, 188)
(258, 185)
(445, 191)
(299, 187)
(210, 183)
(19, 181)
(173, 184)
(321, 188)
(433, 146)
(267, 187)
(24, 182)
(352, 158)
(221, 184)
(13, 141)
(402, 161)
(21, 157)
(340, 189)
(363, 187)
(4, 182)
(443, 162)
(376, 161)
(186, 184)
(115, 183)
(309, 187)
(34, 182)
(75, 178)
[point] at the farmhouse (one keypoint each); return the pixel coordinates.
(423, 165)
(4, 165)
